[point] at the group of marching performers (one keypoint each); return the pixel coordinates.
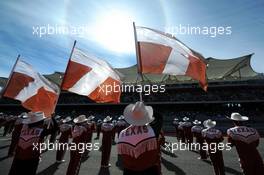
(245, 139)
(29, 129)
(140, 138)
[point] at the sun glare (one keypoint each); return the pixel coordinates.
(114, 31)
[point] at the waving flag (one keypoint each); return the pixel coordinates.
(89, 76)
(34, 91)
(161, 53)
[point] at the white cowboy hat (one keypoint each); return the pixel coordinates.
(138, 114)
(185, 119)
(197, 122)
(23, 115)
(91, 117)
(99, 121)
(175, 119)
(238, 117)
(209, 123)
(121, 117)
(57, 117)
(107, 119)
(67, 119)
(80, 119)
(34, 117)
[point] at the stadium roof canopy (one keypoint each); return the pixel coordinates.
(218, 70)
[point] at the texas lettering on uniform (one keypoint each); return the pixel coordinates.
(135, 130)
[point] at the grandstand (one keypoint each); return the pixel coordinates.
(233, 86)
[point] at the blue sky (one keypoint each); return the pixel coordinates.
(110, 34)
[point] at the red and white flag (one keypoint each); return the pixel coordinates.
(92, 77)
(161, 53)
(34, 91)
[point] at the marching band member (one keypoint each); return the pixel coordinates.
(98, 128)
(54, 134)
(92, 128)
(27, 157)
(138, 143)
(246, 141)
(214, 136)
(107, 128)
(114, 130)
(89, 126)
(16, 133)
(181, 135)
(78, 136)
(121, 125)
(66, 130)
(197, 133)
(49, 125)
(175, 123)
(187, 126)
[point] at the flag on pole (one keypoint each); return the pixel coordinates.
(92, 77)
(33, 90)
(161, 53)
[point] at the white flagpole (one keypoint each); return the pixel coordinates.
(139, 65)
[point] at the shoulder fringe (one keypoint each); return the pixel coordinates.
(135, 151)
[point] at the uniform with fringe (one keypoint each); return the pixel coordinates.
(246, 141)
(139, 149)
